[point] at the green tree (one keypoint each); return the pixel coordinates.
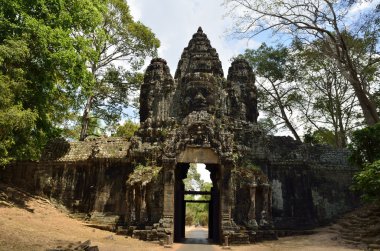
(41, 66)
(193, 181)
(55, 56)
(365, 148)
(328, 106)
(348, 39)
(118, 38)
(365, 145)
(320, 136)
(127, 130)
(196, 213)
(368, 181)
(16, 123)
(278, 93)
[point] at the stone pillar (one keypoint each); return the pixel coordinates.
(133, 205)
(143, 212)
(138, 203)
(169, 179)
(228, 226)
(270, 203)
(226, 193)
(252, 208)
(168, 212)
(251, 222)
(265, 190)
(128, 205)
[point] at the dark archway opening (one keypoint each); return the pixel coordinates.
(180, 202)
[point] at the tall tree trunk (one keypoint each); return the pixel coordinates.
(283, 113)
(287, 121)
(86, 118)
(291, 128)
(368, 106)
(342, 141)
(341, 130)
(344, 62)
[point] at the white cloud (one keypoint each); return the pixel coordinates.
(175, 21)
(362, 6)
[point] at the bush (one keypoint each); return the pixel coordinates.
(365, 149)
(365, 145)
(368, 181)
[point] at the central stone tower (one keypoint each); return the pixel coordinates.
(200, 117)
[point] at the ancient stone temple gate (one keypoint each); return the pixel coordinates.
(263, 185)
(199, 117)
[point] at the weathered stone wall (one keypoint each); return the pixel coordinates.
(20, 174)
(310, 183)
(89, 185)
(304, 197)
(86, 186)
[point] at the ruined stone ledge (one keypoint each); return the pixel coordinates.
(311, 166)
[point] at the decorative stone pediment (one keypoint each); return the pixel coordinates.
(198, 155)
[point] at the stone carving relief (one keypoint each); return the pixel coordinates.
(242, 93)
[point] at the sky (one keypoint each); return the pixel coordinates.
(175, 21)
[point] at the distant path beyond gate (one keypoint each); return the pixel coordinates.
(196, 239)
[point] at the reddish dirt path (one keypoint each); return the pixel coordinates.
(324, 240)
(38, 225)
(42, 226)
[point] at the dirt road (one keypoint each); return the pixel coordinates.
(39, 225)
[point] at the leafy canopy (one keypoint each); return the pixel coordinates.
(55, 55)
(41, 64)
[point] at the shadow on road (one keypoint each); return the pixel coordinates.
(196, 235)
(196, 239)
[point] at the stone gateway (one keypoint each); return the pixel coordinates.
(262, 185)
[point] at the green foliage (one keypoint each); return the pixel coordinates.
(349, 42)
(365, 145)
(71, 128)
(193, 179)
(328, 103)
(278, 95)
(273, 63)
(365, 148)
(250, 166)
(296, 86)
(245, 174)
(46, 49)
(127, 130)
(143, 174)
(41, 65)
(17, 124)
(116, 38)
(368, 181)
(320, 136)
(267, 125)
(196, 213)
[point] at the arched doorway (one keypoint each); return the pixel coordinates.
(180, 202)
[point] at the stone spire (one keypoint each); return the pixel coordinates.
(199, 76)
(155, 94)
(241, 91)
(199, 56)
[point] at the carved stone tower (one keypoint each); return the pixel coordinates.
(200, 117)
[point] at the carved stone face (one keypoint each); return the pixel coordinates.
(200, 96)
